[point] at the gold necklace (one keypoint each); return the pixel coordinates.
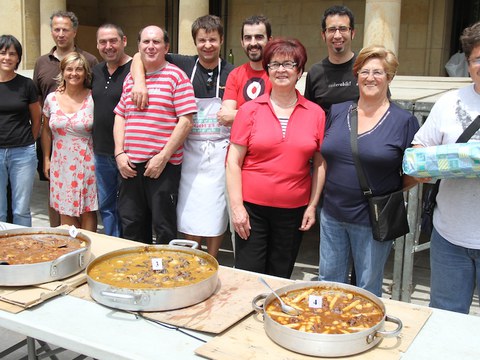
(286, 106)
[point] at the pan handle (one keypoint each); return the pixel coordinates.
(387, 334)
(135, 299)
(259, 308)
(184, 242)
(79, 252)
(65, 257)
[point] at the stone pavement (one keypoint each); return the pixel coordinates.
(306, 268)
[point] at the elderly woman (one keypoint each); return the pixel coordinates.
(71, 170)
(20, 114)
(384, 132)
(272, 192)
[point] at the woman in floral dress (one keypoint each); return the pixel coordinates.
(71, 169)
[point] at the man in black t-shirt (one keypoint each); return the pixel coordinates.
(107, 83)
(332, 81)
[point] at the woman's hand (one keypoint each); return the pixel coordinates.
(241, 222)
(46, 167)
(308, 218)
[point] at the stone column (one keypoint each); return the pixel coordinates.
(46, 9)
(382, 23)
(31, 37)
(188, 11)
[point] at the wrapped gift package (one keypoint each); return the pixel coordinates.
(458, 160)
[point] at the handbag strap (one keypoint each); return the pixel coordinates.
(464, 137)
(353, 115)
(469, 131)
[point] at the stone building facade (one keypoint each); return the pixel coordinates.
(419, 31)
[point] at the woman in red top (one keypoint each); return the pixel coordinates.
(272, 188)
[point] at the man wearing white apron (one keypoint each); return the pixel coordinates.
(201, 208)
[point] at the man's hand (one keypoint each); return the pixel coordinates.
(155, 166)
(125, 166)
(225, 116)
(139, 95)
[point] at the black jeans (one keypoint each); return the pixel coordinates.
(145, 203)
(274, 240)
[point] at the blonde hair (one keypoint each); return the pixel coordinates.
(67, 60)
(390, 61)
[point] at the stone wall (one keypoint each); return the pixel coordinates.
(424, 43)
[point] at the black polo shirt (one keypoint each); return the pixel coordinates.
(106, 92)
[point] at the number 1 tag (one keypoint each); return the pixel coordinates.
(157, 264)
(315, 301)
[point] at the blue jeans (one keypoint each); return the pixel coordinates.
(454, 272)
(108, 182)
(18, 165)
(339, 242)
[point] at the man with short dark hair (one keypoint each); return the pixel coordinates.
(107, 83)
(148, 143)
(63, 26)
(332, 81)
(249, 80)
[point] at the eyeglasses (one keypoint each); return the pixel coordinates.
(343, 30)
(210, 80)
(375, 73)
(474, 62)
(288, 65)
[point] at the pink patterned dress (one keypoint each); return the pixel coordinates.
(73, 188)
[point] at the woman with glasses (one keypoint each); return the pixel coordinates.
(272, 188)
(20, 114)
(384, 132)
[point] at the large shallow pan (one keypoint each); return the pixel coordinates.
(30, 274)
(328, 345)
(159, 299)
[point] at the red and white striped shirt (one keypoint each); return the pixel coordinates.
(170, 95)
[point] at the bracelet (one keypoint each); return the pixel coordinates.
(120, 153)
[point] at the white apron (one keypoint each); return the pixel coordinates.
(202, 207)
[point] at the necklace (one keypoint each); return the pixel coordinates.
(286, 106)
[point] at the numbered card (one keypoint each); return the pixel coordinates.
(72, 230)
(157, 264)
(315, 301)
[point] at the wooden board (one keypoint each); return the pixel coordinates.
(249, 339)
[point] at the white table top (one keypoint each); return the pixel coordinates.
(100, 332)
(97, 331)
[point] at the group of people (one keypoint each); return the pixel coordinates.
(185, 143)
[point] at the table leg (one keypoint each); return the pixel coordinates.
(32, 353)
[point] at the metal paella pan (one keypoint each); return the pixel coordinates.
(312, 334)
(153, 277)
(30, 256)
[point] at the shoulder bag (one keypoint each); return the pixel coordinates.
(430, 195)
(388, 215)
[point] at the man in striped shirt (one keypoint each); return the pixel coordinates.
(148, 143)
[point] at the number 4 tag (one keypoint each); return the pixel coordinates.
(157, 264)
(315, 301)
